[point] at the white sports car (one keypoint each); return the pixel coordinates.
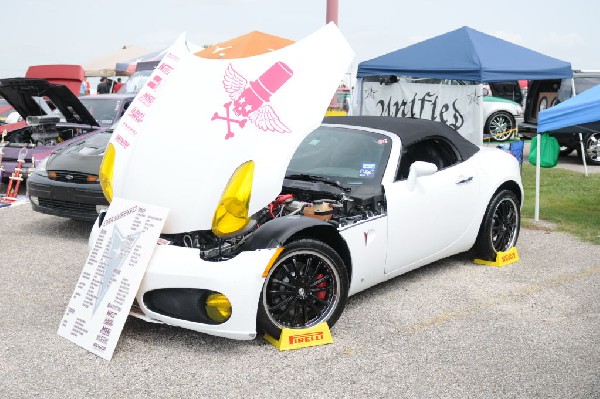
(364, 199)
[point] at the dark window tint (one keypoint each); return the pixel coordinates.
(435, 150)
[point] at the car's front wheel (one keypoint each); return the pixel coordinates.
(501, 125)
(591, 147)
(500, 226)
(307, 285)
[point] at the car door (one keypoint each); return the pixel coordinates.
(427, 216)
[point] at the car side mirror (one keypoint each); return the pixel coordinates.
(419, 169)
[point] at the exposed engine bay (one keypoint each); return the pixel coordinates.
(339, 209)
(43, 134)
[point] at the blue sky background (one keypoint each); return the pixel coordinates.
(77, 31)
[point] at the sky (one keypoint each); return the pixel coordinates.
(77, 31)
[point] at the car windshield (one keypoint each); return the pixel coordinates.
(352, 157)
(135, 82)
(103, 109)
(582, 83)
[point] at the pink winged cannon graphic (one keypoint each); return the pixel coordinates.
(250, 100)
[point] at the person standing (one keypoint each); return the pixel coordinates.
(85, 87)
(103, 87)
(117, 86)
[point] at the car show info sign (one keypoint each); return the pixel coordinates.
(111, 276)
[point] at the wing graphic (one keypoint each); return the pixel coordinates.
(265, 118)
(233, 82)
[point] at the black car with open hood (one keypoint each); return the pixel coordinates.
(53, 115)
(38, 97)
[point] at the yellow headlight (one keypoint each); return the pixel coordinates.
(218, 307)
(107, 169)
(231, 214)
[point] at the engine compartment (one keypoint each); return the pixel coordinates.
(43, 134)
(339, 209)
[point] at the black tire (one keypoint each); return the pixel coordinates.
(591, 146)
(500, 226)
(307, 285)
(500, 125)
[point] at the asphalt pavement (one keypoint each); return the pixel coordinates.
(451, 329)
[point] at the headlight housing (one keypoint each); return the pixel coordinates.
(107, 170)
(40, 168)
(231, 214)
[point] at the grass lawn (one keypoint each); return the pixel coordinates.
(569, 199)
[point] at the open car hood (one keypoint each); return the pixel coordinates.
(24, 95)
(197, 120)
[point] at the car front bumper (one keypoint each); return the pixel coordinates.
(173, 269)
(71, 200)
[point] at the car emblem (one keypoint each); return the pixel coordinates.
(69, 177)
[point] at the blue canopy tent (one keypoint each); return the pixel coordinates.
(128, 67)
(583, 111)
(464, 54)
(467, 54)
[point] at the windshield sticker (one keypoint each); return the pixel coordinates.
(382, 141)
(367, 170)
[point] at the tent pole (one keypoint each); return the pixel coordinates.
(537, 179)
(583, 154)
(358, 89)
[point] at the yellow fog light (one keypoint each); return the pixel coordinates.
(218, 307)
(231, 214)
(107, 170)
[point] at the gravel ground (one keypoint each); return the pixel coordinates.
(450, 329)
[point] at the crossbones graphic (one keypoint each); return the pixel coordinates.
(249, 99)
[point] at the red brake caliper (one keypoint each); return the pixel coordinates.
(321, 294)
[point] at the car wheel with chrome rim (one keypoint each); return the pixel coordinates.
(501, 125)
(591, 147)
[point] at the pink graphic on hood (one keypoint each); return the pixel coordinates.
(249, 100)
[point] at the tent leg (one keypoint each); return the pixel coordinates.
(537, 180)
(583, 154)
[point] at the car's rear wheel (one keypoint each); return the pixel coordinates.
(501, 125)
(307, 285)
(591, 147)
(500, 226)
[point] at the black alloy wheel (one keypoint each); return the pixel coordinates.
(500, 226)
(307, 285)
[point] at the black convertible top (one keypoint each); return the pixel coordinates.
(409, 130)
